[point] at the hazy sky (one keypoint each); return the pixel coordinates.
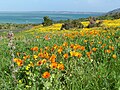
(59, 5)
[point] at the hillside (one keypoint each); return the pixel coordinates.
(47, 58)
(114, 11)
(115, 14)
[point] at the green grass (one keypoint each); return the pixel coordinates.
(100, 72)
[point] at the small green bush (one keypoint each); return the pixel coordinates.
(47, 21)
(72, 24)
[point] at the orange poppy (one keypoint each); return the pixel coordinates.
(55, 46)
(77, 54)
(78, 46)
(65, 56)
(72, 45)
(47, 38)
(107, 51)
(94, 49)
(65, 44)
(41, 55)
(88, 54)
(111, 47)
(19, 62)
(60, 66)
(46, 48)
(60, 50)
(53, 65)
(46, 75)
(15, 59)
(52, 58)
(103, 45)
(25, 57)
(39, 63)
(34, 48)
(72, 53)
(82, 48)
(46, 55)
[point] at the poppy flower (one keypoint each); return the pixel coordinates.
(53, 65)
(82, 48)
(60, 50)
(107, 51)
(52, 58)
(39, 63)
(65, 56)
(72, 53)
(34, 48)
(72, 45)
(19, 62)
(94, 49)
(46, 75)
(60, 66)
(41, 55)
(65, 44)
(46, 55)
(77, 54)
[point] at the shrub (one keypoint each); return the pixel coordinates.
(93, 23)
(47, 21)
(72, 24)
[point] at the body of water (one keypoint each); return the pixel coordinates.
(37, 17)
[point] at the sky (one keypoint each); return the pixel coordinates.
(59, 5)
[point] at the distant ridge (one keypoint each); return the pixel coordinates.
(114, 11)
(53, 12)
(114, 14)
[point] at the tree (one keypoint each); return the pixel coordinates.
(47, 21)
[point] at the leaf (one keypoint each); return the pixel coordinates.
(47, 84)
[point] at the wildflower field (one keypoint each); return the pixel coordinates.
(47, 58)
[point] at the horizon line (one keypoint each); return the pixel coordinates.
(49, 11)
(60, 11)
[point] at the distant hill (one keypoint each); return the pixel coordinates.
(111, 15)
(114, 11)
(115, 14)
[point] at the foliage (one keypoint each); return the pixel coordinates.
(11, 26)
(49, 59)
(72, 24)
(115, 15)
(93, 23)
(47, 21)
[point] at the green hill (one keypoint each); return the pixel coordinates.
(114, 13)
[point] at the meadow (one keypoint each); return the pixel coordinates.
(47, 58)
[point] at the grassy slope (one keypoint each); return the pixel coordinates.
(97, 72)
